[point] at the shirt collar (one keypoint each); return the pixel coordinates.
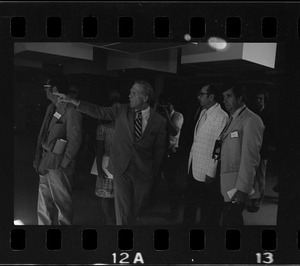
(60, 106)
(211, 109)
(145, 112)
(238, 111)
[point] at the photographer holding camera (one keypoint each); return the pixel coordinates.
(174, 119)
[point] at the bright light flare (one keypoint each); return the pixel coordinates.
(187, 37)
(18, 222)
(217, 43)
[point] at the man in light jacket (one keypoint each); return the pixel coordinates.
(57, 146)
(240, 154)
(203, 188)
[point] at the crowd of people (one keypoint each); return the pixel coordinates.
(138, 142)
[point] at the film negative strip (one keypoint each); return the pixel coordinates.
(183, 50)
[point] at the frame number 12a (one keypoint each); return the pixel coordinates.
(124, 258)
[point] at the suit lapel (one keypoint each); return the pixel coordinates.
(61, 110)
(198, 127)
(131, 118)
(236, 121)
(42, 131)
(149, 124)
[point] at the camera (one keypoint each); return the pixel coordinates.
(161, 107)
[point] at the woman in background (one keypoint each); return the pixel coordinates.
(104, 183)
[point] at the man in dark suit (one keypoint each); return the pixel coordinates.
(138, 148)
(58, 143)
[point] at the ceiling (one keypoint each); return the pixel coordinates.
(197, 71)
(138, 47)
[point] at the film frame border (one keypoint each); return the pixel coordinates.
(286, 252)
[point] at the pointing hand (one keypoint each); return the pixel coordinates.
(64, 98)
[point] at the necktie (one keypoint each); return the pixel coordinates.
(138, 125)
(49, 118)
(197, 115)
(226, 127)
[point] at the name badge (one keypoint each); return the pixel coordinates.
(57, 115)
(234, 134)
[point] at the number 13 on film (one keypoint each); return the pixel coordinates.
(123, 258)
(266, 257)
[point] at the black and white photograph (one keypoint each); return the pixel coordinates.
(76, 111)
(150, 133)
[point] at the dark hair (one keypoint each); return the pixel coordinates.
(60, 82)
(147, 88)
(265, 93)
(74, 91)
(239, 90)
(214, 88)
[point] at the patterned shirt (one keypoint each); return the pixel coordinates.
(177, 121)
(106, 133)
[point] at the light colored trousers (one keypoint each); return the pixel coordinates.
(55, 190)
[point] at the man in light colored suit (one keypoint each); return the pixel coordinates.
(138, 148)
(203, 188)
(57, 146)
(240, 154)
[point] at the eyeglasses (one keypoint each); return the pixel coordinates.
(47, 87)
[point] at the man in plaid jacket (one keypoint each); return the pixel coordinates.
(203, 189)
